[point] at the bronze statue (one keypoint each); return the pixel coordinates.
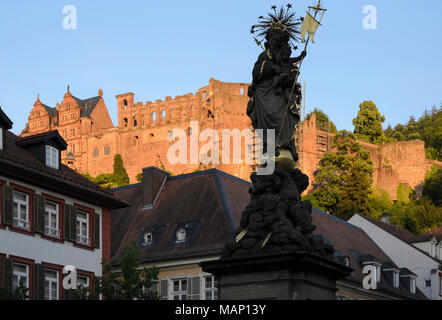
(277, 219)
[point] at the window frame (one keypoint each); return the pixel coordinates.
(213, 289)
(57, 278)
(79, 233)
(19, 203)
(15, 263)
(51, 212)
(181, 292)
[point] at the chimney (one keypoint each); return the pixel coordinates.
(154, 180)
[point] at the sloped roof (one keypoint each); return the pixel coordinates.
(401, 233)
(5, 119)
(17, 163)
(51, 111)
(88, 104)
(203, 198)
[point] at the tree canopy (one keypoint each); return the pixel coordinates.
(118, 178)
(343, 182)
(368, 124)
(428, 128)
(322, 120)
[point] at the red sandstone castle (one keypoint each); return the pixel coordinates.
(141, 136)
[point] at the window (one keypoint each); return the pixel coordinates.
(125, 122)
(20, 275)
(52, 157)
(395, 279)
(135, 122)
(413, 285)
(20, 210)
(154, 117)
(82, 283)
(125, 103)
(179, 290)
(1, 138)
(189, 131)
(163, 113)
(148, 238)
(72, 116)
(51, 285)
(241, 91)
(83, 228)
(95, 152)
(72, 132)
(51, 219)
(440, 284)
(106, 150)
(170, 134)
(181, 235)
(210, 290)
(428, 283)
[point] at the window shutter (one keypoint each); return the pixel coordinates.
(6, 273)
(68, 294)
(164, 286)
(66, 222)
(39, 282)
(96, 230)
(7, 202)
(39, 214)
(73, 224)
(196, 288)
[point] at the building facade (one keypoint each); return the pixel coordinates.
(50, 217)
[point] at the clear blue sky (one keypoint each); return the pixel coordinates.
(161, 48)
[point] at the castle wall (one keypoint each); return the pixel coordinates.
(141, 136)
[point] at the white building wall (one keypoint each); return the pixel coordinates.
(43, 250)
(403, 255)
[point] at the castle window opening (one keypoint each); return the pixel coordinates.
(152, 135)
(163, 113)
(204, 95)
(241, 91)
(106, 150)
(189, 131)
(154, 116)
(125, 122)
(135, 122)
(95, 152)
(135, 140)
(170, 133)
(125, 103)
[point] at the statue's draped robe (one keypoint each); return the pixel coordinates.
(268, 110)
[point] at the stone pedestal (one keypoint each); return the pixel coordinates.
(279, 276)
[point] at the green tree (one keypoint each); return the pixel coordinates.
(132, 283)
(19, 294)
(343, 182)
(121, 177)
(427, 128)
(368, 124)
(433, 185)
(322, 120)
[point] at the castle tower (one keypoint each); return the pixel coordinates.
(125, 102)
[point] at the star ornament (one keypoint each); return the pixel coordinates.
(274, 7)
(289, 6)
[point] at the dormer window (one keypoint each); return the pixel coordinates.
(52, 157)
(148, 238)
(181, 235)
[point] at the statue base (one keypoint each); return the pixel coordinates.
(279, 276)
